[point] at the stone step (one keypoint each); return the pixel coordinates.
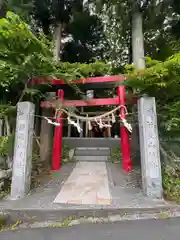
(114, 213)
(88, 152)
(92, 142)
(92, 148)
(91, 158)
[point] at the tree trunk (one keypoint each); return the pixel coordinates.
(8, 133)
(138, 40)
(57, 41)
(46, 134)
(139, 61)
(2, 8)
(46, 138)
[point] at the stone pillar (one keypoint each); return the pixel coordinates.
(149, 148)
(134, 142)
(37, 120)
(46, 133)
(46, 137)
(82, 127)
(22, 160)
(69, 130)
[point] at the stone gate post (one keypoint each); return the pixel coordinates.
(46, 133)
(149, 148)
(22, 160)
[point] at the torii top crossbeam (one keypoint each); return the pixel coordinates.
(102, 79)
(109, 81)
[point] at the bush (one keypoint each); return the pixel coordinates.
(170, 170)
(171, 181)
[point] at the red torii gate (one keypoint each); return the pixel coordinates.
(119, 100)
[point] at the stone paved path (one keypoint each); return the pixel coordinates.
(87, 184)
(121, 192)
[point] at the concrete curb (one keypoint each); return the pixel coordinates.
(110, 219)
(99, 215)
(70, 221)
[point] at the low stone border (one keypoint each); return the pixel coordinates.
(70, 221)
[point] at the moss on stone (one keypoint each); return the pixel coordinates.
(116, 155)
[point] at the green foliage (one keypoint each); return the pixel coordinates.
(22, 8)
(21, 51)
(7, 110)
(170, 156)
(162, 81)
(6, 145)
(24, 56)
(65, 153)
(70, 71)
(171, 181)
(6, 150)
(2, 221)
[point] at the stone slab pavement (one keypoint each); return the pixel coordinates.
(87, 184)
(120, 194)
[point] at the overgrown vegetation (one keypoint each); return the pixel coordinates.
(65, 153)
(116, 155)
(170, 154)
(39, 168)
(171, 181)
(2, 221)
(162, 81)
(24, 56)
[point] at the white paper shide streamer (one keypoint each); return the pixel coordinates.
(76, 124)
(89, 126)
(51, 122)
(113, 118)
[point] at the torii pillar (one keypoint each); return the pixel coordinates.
(124, 135)
(58, 134)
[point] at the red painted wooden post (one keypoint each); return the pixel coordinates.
(58, 134)
(83, 103)
(125, 142)
(103, 79)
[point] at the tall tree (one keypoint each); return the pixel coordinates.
(120, 18)
(175, 4)
(86, 31)
(76, 32)
(21, 7)
(2, 8)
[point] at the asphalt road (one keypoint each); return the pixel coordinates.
(136, 230)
